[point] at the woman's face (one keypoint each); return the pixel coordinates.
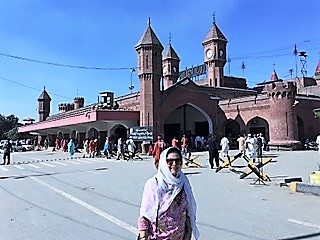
(174, 163)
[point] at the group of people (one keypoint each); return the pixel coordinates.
(156, 149)
(91, 147)
(252, 145)
(124, 147)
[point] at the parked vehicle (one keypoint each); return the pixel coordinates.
(27, 147)
(16, 147)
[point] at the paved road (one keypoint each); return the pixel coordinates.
(49, 196)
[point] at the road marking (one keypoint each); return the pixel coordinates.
(304, 223)
(95, 160)
(84, 161)
(4, 169)
(72, 162)
(33, 166)
(60, 163)
(21, 168)
(32, 158)
(47, 164)
(97, 211)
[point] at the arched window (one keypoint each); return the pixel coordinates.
(147, 61)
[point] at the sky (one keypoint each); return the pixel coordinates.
(102, 34)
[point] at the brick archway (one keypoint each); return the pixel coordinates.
(189, 95)
(258, 125)
(187, 119)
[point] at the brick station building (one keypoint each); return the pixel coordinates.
(196, 101)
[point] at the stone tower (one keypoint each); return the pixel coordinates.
(149, 50)
(283, 127)
(78, 102)
(170, 66)
(274, 76)
(44, 105)
(215, 46)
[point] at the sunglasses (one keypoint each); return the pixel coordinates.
(170, 161)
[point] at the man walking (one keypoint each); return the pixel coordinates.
(225, 147)
(213, 151)
(7, 151)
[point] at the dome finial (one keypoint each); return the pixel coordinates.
(149, 21)
(169, 38)
(213, 18)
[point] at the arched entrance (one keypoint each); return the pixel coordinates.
(118, 131)
(232, 132)
(74, 134)
(93, 133)
(60, 135)
(188, 119)
(259, 125)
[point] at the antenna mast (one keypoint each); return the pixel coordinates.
(303, 59)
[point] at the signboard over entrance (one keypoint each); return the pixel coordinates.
(141, 133)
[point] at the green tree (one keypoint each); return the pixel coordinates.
(9, 127)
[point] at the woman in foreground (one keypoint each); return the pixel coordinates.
(168, 207)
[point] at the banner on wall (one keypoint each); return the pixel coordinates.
(141, 134)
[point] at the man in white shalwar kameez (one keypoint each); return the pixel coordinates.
(251, 147)
(224, 143)
(131, 147)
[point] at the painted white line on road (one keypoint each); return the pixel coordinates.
(95, 160)
(47, 164)
(33, 166)
(21, 168)
(97, 211)
(39, 159)
(304, 223)
(4, 169)
(60, 163)
(83, 161)
(73, 162)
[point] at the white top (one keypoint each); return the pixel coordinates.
(224, 143)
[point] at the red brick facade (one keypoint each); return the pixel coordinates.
(276, 108)
(174, 103)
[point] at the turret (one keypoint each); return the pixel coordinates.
(149, 50)
(274, 76)
(283, 127)
(215, 46)
(78, 102)
(170, 66)
(44, 105)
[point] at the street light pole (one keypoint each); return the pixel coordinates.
(131, 87)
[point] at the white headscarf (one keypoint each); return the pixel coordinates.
(163, 188)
